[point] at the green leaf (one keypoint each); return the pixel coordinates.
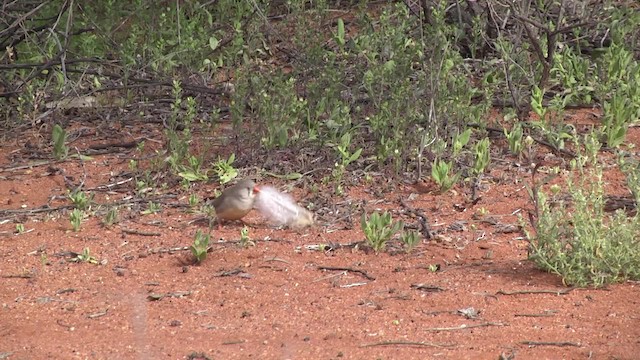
(355, 155)
(341, 33)
(213, 42)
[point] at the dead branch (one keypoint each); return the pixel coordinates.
(465, 326)
(408, 343)
(361, 272)
(527, 292)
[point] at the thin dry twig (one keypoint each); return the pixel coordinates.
(139, 232)
(550, 343)
(408, 343)
(524, 292)
(361, 272)
(465, 326)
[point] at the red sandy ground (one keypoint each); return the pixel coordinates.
(278, 304)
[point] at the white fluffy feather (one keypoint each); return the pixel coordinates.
(281, 209)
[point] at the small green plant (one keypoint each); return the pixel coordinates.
(379, 229)
(20, 228)
(111, 217)
(346, 158)
(224, 169)
(194, 200)
(515, 139)
(441, 174)
(200, 246)
(152, 208)
(79, 199)
(245, 241)
(482, 156)
(410, 239)
(59, 137)
(76, 217)
(340, 35)
(537, 97)
(85, 257)
(193, 171)
(460, 141)
(178, 132)
(618, 114)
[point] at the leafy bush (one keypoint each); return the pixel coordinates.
(577, 240)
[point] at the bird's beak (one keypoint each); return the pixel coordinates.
(256, 189)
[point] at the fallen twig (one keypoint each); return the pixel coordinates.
(408, 343)
(98, 314)
(361, 272)
(546, 313)
(138, 232)
(426, 287)
(465, 326)
(177, 294)
(26, 275)
(549, 343)
(523, 292)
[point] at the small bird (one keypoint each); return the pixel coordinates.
(235, 202)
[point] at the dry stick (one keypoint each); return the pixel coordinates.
(276, 259)
(465, 326)
(523, 292)
(98, 314)
(21, 19)
(116, 144)
(17, 276)
(234, 342)
(138, 232)
(425, 229)
(548, 313)
(361, 272)
(550, 343)
(21, 167)
(408, 343)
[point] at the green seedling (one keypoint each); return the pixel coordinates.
(379, 229)
(245, 241)
(19, 228)
(200, 246)
(340, 35)
(346, 158)
(410, 239)
(194, 200)
(85, 257)
(80, 199)
(152, 208)
(111, 217)
(482, 157)
(618, 113)
(441, 174)
(537, 97)
(460, 141)
(515, 140)
(193, 172)
(224, 169)
(59, 137)
(75, 217)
